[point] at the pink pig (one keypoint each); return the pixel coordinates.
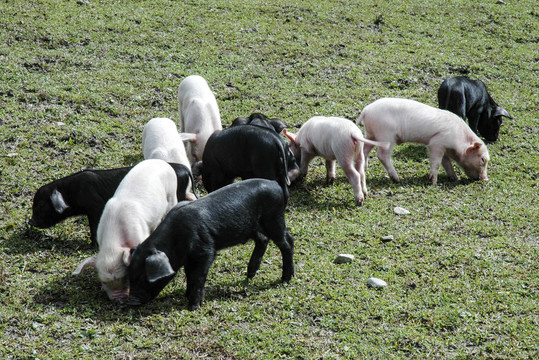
(140, 202)
(445, 134)
(334, 139)
(199, 114)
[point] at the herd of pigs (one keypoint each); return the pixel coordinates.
(148, 222)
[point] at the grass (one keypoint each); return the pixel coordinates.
(78, 82)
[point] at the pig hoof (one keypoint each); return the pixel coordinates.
(193, 307)
(330, 180)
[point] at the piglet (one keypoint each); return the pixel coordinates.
(470, 99)
(199, 114)
(141, 201)
(445, 134)
(333, 138)
(193, 232)
(161, 140)
(86, 193)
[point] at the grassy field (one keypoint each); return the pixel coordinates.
(79, 81)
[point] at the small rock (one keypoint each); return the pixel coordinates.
(60, 123)
(387, 238)
(501, 2)
(344, 259)
(400, 211)
(376, 283)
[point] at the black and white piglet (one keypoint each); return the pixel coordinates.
(192, 233)
(86, 193)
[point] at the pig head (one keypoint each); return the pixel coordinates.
(192, 233)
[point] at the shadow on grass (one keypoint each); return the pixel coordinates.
(28, 239)
(83, 295)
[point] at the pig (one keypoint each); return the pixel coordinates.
(445, 134)
(261, 120)
(161, 140)
(333, 138)
(192, 233)
(140, 202)
(199, 114)
(85, 193)
(247, 151)
(470, 99)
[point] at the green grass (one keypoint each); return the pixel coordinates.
(462, 272)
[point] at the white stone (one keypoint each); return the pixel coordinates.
(376, 283)
(344, 259)
(400, 211)
(387, 238)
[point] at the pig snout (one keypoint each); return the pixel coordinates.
(119, 297)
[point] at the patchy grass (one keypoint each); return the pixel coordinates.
(78, 82)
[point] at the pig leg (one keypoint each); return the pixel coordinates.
(366, 150)
(385, 158)
(348, 164)
(360, 168)
(275, 229)
(355, 180)
(306, 158)
(436, 156)
(261, 244)
(330, 171)
(93, 221)
(446, 163)
(196, 272)
(286, 245)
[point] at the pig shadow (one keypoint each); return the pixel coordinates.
(417, 153)
(83, 294)
(28, 239)
(305, 195)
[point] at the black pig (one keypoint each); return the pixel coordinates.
(86, 193)
(470, 99)
(247, 151)
(192, 233)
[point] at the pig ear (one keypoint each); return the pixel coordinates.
(502, 112)
(86, 263)
(290, 135)
(158, 266)
(473, 147)
(58, 202)
(188, 137)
